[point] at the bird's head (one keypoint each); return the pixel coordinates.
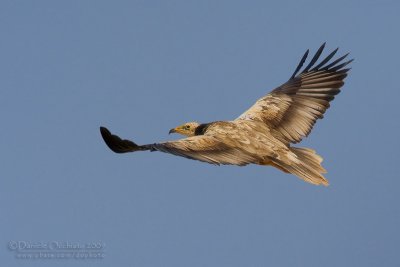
(187, 129)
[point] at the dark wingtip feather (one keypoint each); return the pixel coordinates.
(116, 144)
(326, 60)
(303, 59)
(338, 67)
(334, 63)
(344, 70)
(315, 58)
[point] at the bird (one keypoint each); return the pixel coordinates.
(266, 132)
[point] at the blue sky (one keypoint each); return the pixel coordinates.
(143, 67)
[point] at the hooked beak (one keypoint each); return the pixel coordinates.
(172, 131)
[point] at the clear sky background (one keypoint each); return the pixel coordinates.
(143, 67)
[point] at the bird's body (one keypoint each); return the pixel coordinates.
(264, 133)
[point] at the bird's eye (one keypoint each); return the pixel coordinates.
(186, 127)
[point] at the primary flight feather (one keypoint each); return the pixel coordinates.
(264, 133)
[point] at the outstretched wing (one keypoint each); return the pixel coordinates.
(292, 109)
(206, 148)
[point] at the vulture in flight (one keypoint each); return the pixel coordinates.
(263, 134)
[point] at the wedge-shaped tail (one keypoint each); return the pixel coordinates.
(307, 166)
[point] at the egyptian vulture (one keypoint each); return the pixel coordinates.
(263, 134)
